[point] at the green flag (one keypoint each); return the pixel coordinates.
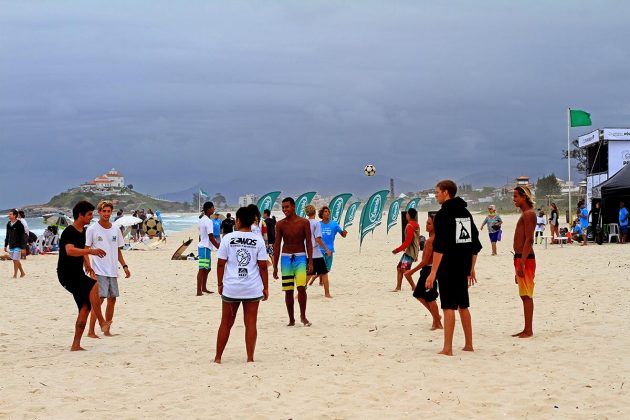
(203, 194)
(580, 118)
(372, 214)
(267, 201)
(337, 205)
(302, 201)
(352, 211)
(412, 204)
(392, 214)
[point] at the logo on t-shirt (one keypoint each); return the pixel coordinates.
(99, 238)
(243, 258)
(462, 230)
(114, 238)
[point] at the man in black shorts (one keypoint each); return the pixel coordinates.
(71, 274)
(455, 250)
(319, 264)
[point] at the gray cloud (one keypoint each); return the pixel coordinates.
(176, 93)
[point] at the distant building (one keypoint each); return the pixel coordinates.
(112, 179)
(247, 199)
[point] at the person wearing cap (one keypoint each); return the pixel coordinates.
(494, 222)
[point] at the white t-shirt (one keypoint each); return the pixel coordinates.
(109, 240)
(242, 251)
(316, 232)
(257, 229)
(539, 221)
(25, 226)
(205, 228)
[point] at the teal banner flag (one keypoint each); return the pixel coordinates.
(372, 214)
(352, 211)
(392, 214)
(303, 201)
(267, 201)
(337, 205)
(412, 204)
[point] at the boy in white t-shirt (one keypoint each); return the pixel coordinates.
(241, 278)
(540, 226)
(206, 241)
(104, 235)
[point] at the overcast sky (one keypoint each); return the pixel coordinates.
(172, 93)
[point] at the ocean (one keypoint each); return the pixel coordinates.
(173, 222)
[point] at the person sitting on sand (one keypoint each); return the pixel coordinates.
(524, 258)
(411, 246)
(241, 278)
(427, 297)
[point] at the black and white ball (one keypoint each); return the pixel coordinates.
(370, 170)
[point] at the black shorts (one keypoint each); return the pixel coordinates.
(319, 267)
(453, 290)
(227, 299)
(421, 292)
(80, 286)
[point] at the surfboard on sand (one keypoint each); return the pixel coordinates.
(180, 251)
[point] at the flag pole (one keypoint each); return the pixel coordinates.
(569, 158)
(199, 201)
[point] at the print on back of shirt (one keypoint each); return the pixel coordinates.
(243, 257)
(462, 230)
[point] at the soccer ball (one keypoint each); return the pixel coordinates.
(370, 170)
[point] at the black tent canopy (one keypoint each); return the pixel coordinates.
(614, 190)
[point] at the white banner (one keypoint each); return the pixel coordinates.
(616, 134)
(618, 156)
(589, 138)
(589, 191)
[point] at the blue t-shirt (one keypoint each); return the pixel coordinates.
(623, 216)
(329, 230)
(584, 218)
(216, 228)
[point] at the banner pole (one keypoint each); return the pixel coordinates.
(569, 158)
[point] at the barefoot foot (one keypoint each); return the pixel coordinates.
(306, 322)
(92, 335)
(526, 334)
(395, 290)
(518, 333)
(468, 348)
(446, 352)
(77, 348)
(291, 323)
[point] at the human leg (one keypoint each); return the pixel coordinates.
(79, 327)
(464, 316)
(324, 278)
(494, 248)
(202, 281)
(228, 315)
(91, 329)
(449, 328)
(109, 312)
(250, 316)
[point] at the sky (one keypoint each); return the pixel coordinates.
(171, 93)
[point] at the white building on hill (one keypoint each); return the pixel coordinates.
(112, 179)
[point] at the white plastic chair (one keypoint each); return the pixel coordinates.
(613, 230)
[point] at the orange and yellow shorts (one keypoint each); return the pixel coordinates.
(526, 283)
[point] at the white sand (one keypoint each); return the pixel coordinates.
(368, 354)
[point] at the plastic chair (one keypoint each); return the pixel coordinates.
(613, 230)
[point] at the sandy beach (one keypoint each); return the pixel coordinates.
(369, 353)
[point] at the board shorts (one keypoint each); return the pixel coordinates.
(80, 286)
(526, 284)
(15, 254)
(319, 267)
(623, 229)
(328, 259)
(405, 263)
(107, 286)
(494, 237)
(239, 300)
(204, 257)
(421, 292)
(293, 268)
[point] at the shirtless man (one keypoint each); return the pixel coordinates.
(296, 257)
(524, 259)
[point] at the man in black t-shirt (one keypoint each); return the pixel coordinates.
(271, 226)
(71, 274)
(227, 225)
